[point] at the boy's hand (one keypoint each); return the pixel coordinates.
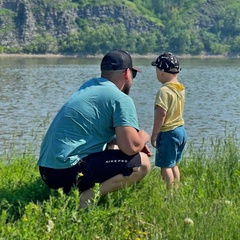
(153, 140)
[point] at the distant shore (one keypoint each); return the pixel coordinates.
(22, 55)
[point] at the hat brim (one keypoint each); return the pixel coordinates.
(137, 69)
(154, 64)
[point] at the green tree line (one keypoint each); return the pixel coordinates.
(188, 27)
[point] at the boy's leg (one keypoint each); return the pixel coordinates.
(171, 175)
(176, 173)
(167, 176)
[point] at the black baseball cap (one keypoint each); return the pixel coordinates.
(117, 60)
(167, 62)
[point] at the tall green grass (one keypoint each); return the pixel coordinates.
(206, 206)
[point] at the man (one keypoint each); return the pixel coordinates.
(75, 149)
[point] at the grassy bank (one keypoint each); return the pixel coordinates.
(206, 206)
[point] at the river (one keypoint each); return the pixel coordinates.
(33, 89)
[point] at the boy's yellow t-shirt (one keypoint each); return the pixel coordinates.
(171, 97)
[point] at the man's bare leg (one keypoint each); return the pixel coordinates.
(119, 181)
(85, 196)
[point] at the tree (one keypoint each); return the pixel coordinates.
(42, 44)
(235, 46)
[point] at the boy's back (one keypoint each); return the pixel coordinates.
(168, 134)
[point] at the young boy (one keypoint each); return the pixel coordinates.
(168, 134)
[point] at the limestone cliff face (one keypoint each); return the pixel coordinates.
(23, 20)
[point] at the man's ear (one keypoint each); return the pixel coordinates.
(127, 73)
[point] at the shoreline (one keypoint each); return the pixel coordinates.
(147, 56)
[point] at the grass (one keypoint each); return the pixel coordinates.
(206, 206)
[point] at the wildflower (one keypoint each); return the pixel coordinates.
(50, 225)
(228, 202)
(188, 221)
(142, 233)
(80, 174)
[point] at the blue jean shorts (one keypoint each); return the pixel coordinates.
(169, 147)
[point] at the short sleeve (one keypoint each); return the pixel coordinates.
(124, 113)
(162, 99)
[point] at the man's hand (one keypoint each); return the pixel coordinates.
(147, 150)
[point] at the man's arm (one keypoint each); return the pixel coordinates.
(130, 141)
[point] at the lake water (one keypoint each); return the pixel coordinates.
(33, 89)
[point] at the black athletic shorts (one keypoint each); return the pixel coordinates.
(95, 168)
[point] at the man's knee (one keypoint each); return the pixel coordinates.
(145, 163)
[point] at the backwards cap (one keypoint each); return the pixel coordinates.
(117, 60)
(167, 62)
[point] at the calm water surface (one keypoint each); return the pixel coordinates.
(33, 89)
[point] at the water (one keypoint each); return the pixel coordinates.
(33, 89)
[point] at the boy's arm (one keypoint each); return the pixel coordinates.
(159, 119)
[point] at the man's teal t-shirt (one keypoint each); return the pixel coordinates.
(86, 123)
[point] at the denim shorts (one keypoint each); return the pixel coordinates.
(95, 168)
(169, 147)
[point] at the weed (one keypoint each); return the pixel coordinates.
(204, 207)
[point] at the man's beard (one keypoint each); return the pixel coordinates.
(126, 89)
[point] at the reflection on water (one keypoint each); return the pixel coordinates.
(33, 89)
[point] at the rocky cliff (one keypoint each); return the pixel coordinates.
(22, 20)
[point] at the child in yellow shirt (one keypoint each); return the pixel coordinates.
(168, 134)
